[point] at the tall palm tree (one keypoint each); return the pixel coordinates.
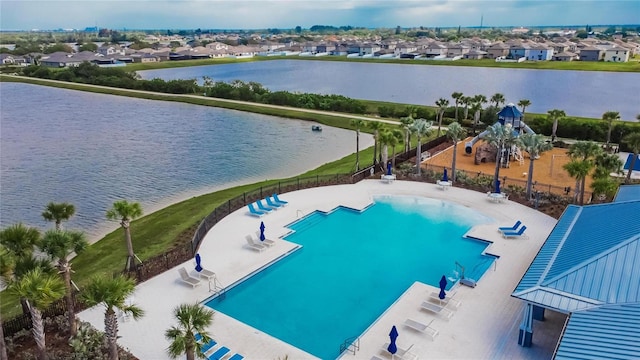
(405, 123)
(476, 109)
(555, 115)
(455, 132)
(442, 105)
(534, 145)
(112, 293)
(606, 164)
(610, 117)
(358, 124)
(582, 155)
(457, 96)
(126, 212)
(524, 103)
(40, 290)
(58, 212)
(502, 138)
(498, 99)
(421, 128)
(192, 319)
(59, 245)
(466, 101)
(386, 138)
(376, 127)
(633, 142)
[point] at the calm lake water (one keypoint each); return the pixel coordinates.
(92, 149)
(578, 93)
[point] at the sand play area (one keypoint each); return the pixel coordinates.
(547, 169)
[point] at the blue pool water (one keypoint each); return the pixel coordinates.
(352, 266)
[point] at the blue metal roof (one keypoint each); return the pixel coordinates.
(608, 332)
(509, 112)
(628, 192)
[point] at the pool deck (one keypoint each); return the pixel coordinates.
(485, 326)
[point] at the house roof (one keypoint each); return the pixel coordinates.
(591, 258)
(628, 192)
(608, 332)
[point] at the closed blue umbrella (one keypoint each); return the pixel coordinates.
(389, 168)
(497, 190)
(443, 285)
(198, 265)
(444, 176)
(393, 335)
(262, 231)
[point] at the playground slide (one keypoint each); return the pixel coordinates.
(468, 146)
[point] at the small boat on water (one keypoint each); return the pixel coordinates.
(316, 128)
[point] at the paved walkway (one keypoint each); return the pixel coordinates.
(484, 327)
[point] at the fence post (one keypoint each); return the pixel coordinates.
(229, 207)
(244, 198)
(298, 183)
(261, 191)
(317, 180)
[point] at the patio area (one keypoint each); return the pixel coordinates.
(485, 326)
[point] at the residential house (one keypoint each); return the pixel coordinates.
(8, 59)
(475, 54)
(591, 53)
(436, 49)
(517, 51)
(325, 48)
(218, 46)
(565, 56)
(406, 48)
(454, 50)
(497, 50)
(369, 49)
(144, 58)
(107, 50)
(310, 47)
(560, 47)
(540, 52)
(616, 54)
(340, 50)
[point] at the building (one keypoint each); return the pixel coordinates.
(616, 54)
(591, 53)
(589, 269)
(540, 52)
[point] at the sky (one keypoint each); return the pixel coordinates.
(285, 14)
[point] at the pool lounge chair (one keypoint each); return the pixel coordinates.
(510, 228)
(399, 354)
(447, 301)
(219, 354)
(254, 212)
(253, 245)
(277, 199)
(515, 234)
(207, 274)
(423, 328)
(265, 242)
(264, 208)
(273, 204)
(188, 279)
(236, 357)
(437, 309)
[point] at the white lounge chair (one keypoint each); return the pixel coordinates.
(204, 273)
(265, 242)
(188, 279)
(401, 353)
(447, 301)
(437, 309)
(424, 328)
(253, 246)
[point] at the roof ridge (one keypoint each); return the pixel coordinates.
(551, 261)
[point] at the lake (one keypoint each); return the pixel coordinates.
(93, 149)
(578, 93)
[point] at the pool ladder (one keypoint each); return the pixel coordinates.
(351, 344)
(216, 287)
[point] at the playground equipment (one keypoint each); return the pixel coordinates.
(508, 115)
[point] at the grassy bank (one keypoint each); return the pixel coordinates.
(631, 66)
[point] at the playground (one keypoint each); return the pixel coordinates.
(547, 169)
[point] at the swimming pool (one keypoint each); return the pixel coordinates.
(352, 266)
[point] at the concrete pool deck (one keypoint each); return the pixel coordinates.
(484, 327)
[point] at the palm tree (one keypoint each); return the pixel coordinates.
(358, 124)
(476, 109)
(7, 262)
(502, 138)
(126, 212)
(466, 101)
(524, 103)
(192, 319)
(457, 96)
(555, 115)
(582, 156)
(20, 240)
(498, 99)
(633, 142)
(58, 212)
(442, 105)
(406, 122)
(534, 145)
(376, 127)
(112, 293)
(386, 138)
(59, 245)
(455, 132)
(41, 290)
(421, 128)
(609, 117)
